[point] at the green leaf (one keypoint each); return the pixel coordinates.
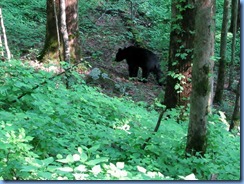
(59, 156)
(189, 177)
(96, 169)
(94, 148)
(81, 168)
(76, 157)
(120, 165)
(45, 175)
(28, 168)
(83, 157)
(48, 161)
(68, 159)
(97, 161)
(141, 169)
(66, 169)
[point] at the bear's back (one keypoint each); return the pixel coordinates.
(139, 55)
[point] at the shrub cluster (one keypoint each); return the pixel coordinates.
(55, 133)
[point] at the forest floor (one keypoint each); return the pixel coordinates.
(102, 35)
(102, 42)
(95, 119)
(99, 38)
(122, 86)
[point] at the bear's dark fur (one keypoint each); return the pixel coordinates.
(138, 57)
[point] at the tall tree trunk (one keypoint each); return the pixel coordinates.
(72, 21)
(201, 80)
(222, 62)
(6, 48)
(233, 11)
(63, 29)
(51, 46)
(178, 85)
(233, 45)
(236, 112)
(211, 95)
(65, 37)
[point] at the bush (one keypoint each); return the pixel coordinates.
(55, 133)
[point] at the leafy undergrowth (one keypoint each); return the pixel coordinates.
(55, 133)
(25, 25)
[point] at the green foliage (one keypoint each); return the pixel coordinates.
(105, 18)
(223, 148)
(24, 19)
(80, 133)
(178, 87)
(219, 16)
(55, 133)
(14, 149)
(155, 12)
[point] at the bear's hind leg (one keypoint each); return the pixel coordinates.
(158, 73)
(145, 73)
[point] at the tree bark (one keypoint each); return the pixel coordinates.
(201, 77)
(51, 46)
(4, 37)
(233, 11)
(180, 53)
(1, 48)
(222, 62)
(233, 45)
(211, 96)
(236, 112)
(64, 31)
(72, 20)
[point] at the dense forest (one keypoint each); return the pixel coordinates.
(120, 90)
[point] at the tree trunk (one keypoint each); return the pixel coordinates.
(180, 54)
(222, 62)
(72, 20)
(233, 45)
(233, 11)
(51, 46)
(63, 29)
(201, 77)
(236, 112)
(6, 48)
(211, 96)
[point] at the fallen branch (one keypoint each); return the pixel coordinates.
(156, 127)
(41, 84)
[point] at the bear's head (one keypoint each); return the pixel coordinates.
(121, 54)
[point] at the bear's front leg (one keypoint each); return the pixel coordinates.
(133, 71)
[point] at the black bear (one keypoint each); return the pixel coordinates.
(138, 57)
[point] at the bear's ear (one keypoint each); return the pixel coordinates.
(120, 49)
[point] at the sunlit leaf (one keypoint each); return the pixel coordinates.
(96, 169)
(120, 165)
(81, 168)
(76, 157)
(141, 169)
(189, 177)
(97, 161)
(66, 169)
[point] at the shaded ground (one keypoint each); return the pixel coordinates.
(102, 33)
(120, 84)
(106, 35)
